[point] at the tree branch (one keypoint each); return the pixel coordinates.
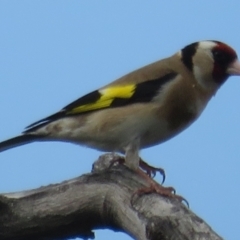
(100, 199)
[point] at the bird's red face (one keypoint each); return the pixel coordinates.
(225, 62)
(211, 62)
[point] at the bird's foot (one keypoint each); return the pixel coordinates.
(151, 171)
(154, 187)
(168, 192)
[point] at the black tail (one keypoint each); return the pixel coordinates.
(18, 141)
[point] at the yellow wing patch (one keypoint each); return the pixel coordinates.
(107, 96)
(118, 92)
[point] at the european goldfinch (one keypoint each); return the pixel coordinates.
(143, 108)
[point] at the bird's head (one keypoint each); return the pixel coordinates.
(211, 63)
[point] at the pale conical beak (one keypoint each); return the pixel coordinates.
(234, 68)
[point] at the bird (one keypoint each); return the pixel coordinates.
(143, 108)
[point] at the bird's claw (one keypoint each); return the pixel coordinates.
(168, 192)
(151, 171)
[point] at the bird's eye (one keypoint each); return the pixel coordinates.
(219, 56)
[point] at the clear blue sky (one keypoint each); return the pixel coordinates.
(52, 52)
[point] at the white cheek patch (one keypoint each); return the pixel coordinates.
(198, 74)
(205, 82)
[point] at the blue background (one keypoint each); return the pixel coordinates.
(52, 52)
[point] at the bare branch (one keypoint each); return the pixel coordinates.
(101, 199)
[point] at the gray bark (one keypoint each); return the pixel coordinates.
(101, 199)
